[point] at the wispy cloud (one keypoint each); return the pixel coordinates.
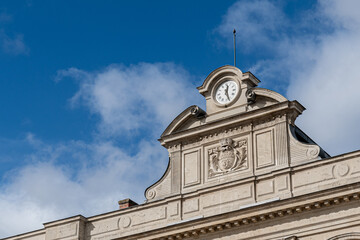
(139, 97)
(87, 178)
(328, 84)
(90, 177)
(259, 23)
(313, 59)
(13, 45)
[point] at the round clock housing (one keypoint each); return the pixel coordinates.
(226, 92)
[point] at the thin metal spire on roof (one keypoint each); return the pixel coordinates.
(234, 32)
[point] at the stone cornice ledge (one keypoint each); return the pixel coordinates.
(238, 119)
(246, 215)
(65, 221)
(27, 235)
(333, 159)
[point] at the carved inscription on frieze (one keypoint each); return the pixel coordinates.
(228, 157)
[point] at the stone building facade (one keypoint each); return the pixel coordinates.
(239, 170)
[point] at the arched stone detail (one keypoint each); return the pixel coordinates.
(189, 114)
(219, 73)
(270, 94)
(347, 236)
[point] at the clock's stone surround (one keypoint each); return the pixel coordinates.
(245, 81)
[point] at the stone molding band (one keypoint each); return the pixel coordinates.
(263, 217)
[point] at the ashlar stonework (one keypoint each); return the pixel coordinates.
(241, 169)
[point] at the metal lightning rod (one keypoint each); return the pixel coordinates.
(234, 32)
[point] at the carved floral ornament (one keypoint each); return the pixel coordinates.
(230, 156)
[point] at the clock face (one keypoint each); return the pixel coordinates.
(226, 92)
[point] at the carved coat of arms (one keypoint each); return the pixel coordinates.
(229, 157)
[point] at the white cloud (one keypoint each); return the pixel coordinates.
(13, 45)
(258, 23)
(144, 96)
(316, 58)
(50, 188)
(329, 87)
(342, 13)
(75, 177)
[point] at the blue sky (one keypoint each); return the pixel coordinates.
(84, 85)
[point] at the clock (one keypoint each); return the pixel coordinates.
(226, 92)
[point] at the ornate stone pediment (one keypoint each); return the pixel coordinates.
(244, 133)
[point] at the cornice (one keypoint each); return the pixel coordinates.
(31, 234)
(258, 118)
(65, 220)
(297, 209)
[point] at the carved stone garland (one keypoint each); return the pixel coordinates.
(229, 157)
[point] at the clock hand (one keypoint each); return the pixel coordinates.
(227, 92)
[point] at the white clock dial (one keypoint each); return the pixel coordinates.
(226, 92)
